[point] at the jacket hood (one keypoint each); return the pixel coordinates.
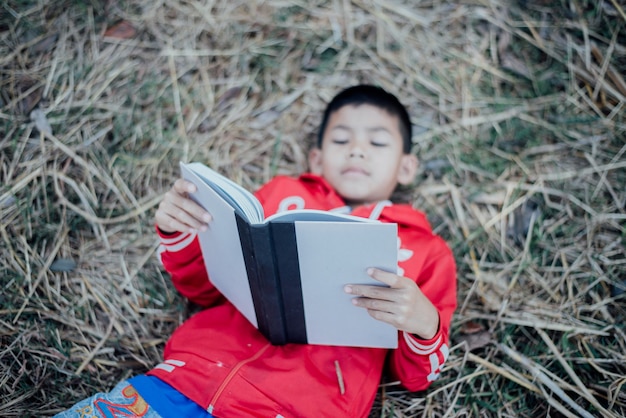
(402, 214)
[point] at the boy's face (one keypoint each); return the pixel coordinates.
(362, 154)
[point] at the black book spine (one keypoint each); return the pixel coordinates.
(288, 269)
(256, 243)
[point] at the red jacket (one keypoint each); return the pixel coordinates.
(219, 360)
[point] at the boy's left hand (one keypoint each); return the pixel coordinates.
(402, 304)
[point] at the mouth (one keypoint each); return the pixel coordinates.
(354, 171)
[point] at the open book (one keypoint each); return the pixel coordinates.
(286, 273)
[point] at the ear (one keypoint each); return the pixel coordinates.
(408, 169)
(315, 161)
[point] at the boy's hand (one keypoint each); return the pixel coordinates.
(402, 304)
(178, 213)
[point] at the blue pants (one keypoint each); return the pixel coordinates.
(142, 396)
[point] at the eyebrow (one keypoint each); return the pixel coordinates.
(370, 130)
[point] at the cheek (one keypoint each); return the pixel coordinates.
(331, 162)
(316, 169)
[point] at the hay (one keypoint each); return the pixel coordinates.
(519, 113)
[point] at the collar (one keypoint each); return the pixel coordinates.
(386, 211)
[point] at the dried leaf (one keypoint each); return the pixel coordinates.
(471, 327)
(63, 265)
(516, 65)
(8, 201)
(436, 167)
(229, 95)
(264, 119)
(476, 340)
(45, 45)
(618, 288)
(521, 219)
(41, 122)
(122, 30)
(31, 95)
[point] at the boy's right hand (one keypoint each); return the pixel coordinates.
(178, 213)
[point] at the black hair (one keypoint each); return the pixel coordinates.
(374, 96)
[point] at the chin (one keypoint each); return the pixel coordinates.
(356, 200)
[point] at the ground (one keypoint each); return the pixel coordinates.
(520, 127)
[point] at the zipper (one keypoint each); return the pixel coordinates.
(232, 374)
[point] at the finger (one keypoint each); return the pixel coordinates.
(390, 279)
(194, 210)
(375, 304)
(191, 214)
(178, 201)
(169, 224)
(176, 218)
(182, 187)
(389, 312)
(384, 317)
(180, 198)
(372, 292)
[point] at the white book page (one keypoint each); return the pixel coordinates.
(232, 193)
(221, 248)
(332, 257)
(315, 215)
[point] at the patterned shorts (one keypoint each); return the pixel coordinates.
(122, 401)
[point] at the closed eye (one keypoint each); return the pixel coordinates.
(339, 141)
(379, 144)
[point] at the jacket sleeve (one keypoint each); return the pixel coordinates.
(416, 363)
(182, 258)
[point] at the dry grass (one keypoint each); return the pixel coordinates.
(520, 121)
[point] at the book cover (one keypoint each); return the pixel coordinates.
(286, 273)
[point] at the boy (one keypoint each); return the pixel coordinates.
(218, 364)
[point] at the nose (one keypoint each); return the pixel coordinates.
(356, 151)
